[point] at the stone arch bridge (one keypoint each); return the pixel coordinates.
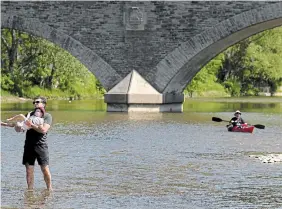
(144, 53)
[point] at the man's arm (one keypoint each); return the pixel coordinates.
(232, 120)
(39, 128)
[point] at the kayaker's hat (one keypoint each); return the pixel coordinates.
(237, 112)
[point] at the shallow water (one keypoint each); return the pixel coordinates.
(133, 160)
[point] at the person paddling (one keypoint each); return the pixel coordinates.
(236, 121)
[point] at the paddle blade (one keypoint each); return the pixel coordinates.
(259, 126)
(216, 119)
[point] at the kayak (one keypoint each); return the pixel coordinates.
(242, 128)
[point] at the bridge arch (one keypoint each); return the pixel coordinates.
(178, 68)
(102, 70)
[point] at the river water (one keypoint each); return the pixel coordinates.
(156, 160)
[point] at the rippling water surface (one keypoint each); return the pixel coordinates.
(161, 160)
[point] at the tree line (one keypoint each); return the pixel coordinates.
(245, 68)
(31, 66)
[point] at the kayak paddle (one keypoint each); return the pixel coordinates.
(218, 119)
(259, 126)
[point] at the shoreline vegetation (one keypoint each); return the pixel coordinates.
(12, 98)
(9, 98)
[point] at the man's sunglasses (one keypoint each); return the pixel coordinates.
(36, 102)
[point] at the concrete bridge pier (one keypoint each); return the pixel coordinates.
(135, 94)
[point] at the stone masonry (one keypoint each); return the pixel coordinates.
(157, 47)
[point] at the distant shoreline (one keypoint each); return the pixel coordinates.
(13, 99)
(278, 97)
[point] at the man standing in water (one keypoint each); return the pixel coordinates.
(36, 147)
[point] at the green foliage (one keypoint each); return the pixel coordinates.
(264, 59)
(5, 93)
(6, 82)
(33, 66)
(246, 67)
(205, 82)
(233, 87)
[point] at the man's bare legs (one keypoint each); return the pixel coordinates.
(47, 176)
(29, 176)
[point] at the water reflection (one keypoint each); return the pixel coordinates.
(144, 116)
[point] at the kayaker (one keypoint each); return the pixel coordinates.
(236, 121)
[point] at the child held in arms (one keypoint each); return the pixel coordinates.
(36, 117)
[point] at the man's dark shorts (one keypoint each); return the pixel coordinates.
(33, 152)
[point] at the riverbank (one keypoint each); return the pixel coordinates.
(12, 99)
(243, 99)
(8, 99)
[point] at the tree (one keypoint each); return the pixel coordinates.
(264, 60)
(29, 61)
(206, 79)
